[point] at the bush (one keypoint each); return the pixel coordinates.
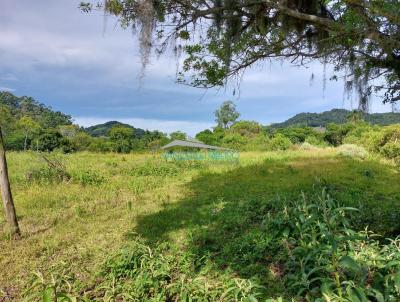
(167, 274)
(335, 134)
(391, 150)
(307, 146)
(387, 142)
(51, 140)
(331, 262)
(235, 141)
(14, 141)
(48, 175)
(101, 145)
(358, 134)
(246, 128)
(280, 142)
(297, 135)
(156, 169)
(353, 151)
(89, 178)
(316, 141)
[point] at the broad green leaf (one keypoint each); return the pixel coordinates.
(47, 295)
(350, 264)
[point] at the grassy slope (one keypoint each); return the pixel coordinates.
(82, 225)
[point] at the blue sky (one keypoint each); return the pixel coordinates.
(88, 67)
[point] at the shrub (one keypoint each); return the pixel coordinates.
(89, 178)
(50, 140)
(235, 141)
(47, 175)
(335, 134)
(353, 151)
(387, 142)
(168, 274)
(307, 146)
(156, 169)
(280, 142)
(246, 128)
(391, 150)
(315, 140)
(206, 136)
(15, 140)
(101, 145)
(259, 142)
(358, 134)
(296, 134)
(53, 172)
(330, 261)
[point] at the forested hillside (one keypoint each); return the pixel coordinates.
(29, 124)
(13, 108)
(337, 116)
(104, 129)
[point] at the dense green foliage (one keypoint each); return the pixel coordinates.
(28, 124)
(248, 135)
(226, 115)
(31, 125)
(337, 116)
(222, 38)
(104, 129)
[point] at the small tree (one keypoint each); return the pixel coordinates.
(29, 127)
(179, 135)
(122, 138)
(6, 119)
(226, 115)
(8, 201)
(355, 117)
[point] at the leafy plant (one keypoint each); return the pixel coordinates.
(53, 172)
(353, 151)
(89, 178)
(280, 142)
(57, 287)
(139, 273)
(329, 261)
(156, 169)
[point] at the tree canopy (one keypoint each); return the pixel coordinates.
(226, 115)
(221, 38)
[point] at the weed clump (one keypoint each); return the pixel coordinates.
(352, 151)
(53, 172)
(156, 169)
(308, 146)
(329, 260)
(167, 274)
(309, 245)
(89, 178)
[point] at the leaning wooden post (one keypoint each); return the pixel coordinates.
(8, 202)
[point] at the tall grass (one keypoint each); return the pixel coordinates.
(213, 229)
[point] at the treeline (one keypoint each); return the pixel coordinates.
(30, 125)
(251, 136)
(337, 116)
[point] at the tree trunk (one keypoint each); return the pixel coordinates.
(26, 141)
(8, 202)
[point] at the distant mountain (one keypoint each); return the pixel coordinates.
(337, 116)
(18, 107)
(104, 129)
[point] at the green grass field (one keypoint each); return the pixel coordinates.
(209, 211)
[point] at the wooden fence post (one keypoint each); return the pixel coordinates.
(8, 201)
